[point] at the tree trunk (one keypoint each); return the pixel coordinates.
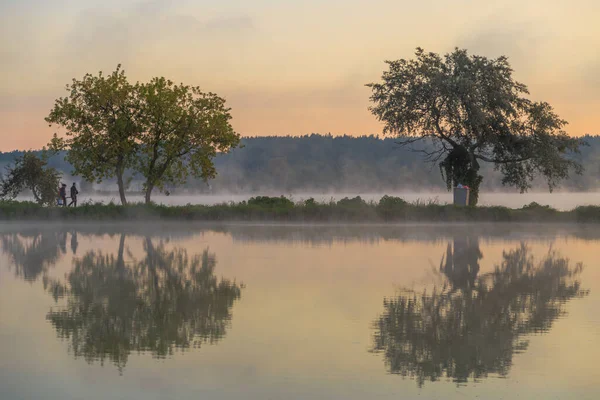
(473, 180)
(149, 188)
(36, 197)
(121, 186)
(461, 167)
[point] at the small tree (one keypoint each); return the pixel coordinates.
(99, 118)
(473, 110)
(31, 173)
(183, 128)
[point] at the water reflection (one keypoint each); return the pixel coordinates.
(330, 234)
(471, 326)
(33, 253)
(166, 301)
(461, 263)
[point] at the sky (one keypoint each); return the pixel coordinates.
(287, 67)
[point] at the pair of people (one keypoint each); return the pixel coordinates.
(62, 194)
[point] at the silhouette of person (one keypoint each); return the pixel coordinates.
(62, 193)
(74, 193)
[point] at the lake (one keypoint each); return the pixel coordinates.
(189, 311)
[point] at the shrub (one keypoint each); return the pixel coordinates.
(311, 202)
(271, 202)
(390, 207)
(587, 213)
(536, 206)
(355, 202)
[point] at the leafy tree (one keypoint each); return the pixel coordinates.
(183, 129)
(470, 328)
(99, 118)
(31, 172)
(473, 111)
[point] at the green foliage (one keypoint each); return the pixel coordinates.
(536, 206)
(182, 130)
(310, 202)
(355, 202)
(353, 208)
(271, 202)
(99, 120)
(164, 132)
(389, 209)
(587, 214)
(473, 110)
(31, 172)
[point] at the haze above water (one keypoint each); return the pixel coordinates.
(558, 200)
(155, 311)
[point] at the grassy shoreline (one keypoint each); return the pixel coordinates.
(281, 209)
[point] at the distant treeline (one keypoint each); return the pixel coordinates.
(321, 163)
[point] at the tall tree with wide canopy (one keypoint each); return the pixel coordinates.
(473, 110)
(183, 128)
(99, 119)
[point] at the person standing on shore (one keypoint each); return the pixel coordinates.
(74, 193)
(62, 193)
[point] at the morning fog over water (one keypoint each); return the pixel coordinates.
(563, 200)
(154, 311)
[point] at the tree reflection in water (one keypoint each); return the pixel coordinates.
(166, 301)
(32, 254)
(472, 326)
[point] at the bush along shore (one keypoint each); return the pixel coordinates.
(282, 209)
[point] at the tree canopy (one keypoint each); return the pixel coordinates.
(182, 129)
(32, 173)
(474, 111)
(99, 120)
(159, 130)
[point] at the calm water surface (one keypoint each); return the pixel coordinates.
(299, 312)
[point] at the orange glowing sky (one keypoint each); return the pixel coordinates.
(287, 67)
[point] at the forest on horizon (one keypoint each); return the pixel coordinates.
(326, 163)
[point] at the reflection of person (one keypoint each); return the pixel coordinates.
(74, 193)
(74, 242)
(62, 241)
(62, 194)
